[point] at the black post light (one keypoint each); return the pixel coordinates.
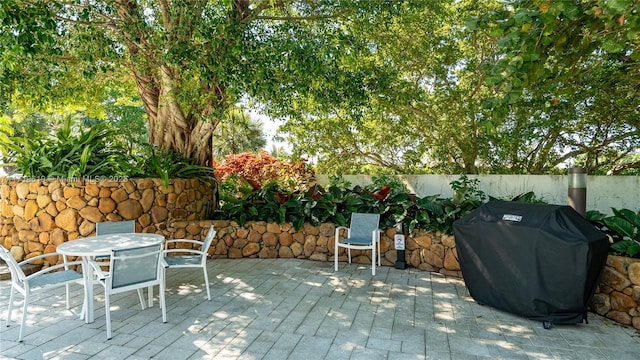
(398, 241)
(577, 196)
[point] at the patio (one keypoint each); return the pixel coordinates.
(301, 309)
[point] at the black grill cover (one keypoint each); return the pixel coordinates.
(538, 261)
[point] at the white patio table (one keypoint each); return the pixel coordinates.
(102, 245)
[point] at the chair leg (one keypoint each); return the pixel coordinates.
(164, 286)
(163, 303)
(67, 287)
(150, 295)
(335, 257)
(373, 258)
(141, 297)
(378, 252)
(206, 283)
(24, 316)
(83, 312)
(10, 311)
(107, 312)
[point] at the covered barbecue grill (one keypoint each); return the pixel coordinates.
(535, 260)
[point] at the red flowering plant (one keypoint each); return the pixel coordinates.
(241, 174)
(261, 187)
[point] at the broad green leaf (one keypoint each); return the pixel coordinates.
(621, 226)
(618, 6)
(613, 45)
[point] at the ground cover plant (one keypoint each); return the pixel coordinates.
(249, 193)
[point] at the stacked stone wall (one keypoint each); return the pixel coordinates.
(429, 251)
(618, 293)
(37, 215)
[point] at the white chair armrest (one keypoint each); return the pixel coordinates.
(177, 241)
(190, 251)
(337, 233)
(65, 264)
(29, 260)
(98, 270)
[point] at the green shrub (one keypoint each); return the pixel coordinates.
(76, 151)
(623, 229)
(337, 203)
(71, 152)
(529, 197)
(168, 164)
(627, 224)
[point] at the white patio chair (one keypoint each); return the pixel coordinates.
(47, 278)
(118, 227)
(178, 256)
(115, 227)
(132, 269)
(362, 234)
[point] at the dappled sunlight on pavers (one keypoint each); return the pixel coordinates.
(301, 309)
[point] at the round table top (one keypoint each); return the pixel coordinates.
(103, 244)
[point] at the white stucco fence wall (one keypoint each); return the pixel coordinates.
(603, 192)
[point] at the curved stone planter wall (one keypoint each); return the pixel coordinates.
(37, 215)
(618, 294)
(433, 252)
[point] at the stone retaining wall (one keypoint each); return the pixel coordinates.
(37, 215)
(427, 251)
(618, 294)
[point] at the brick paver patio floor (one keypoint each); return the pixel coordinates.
(302, 309)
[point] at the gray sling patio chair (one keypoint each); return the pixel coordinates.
(180, 253)
(118, 227)
(132, 269)
(115, 227)
(362, 234)
(47, 278)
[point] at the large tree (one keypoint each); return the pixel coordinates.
(576, 65)
(427, 116)
(238, 133)
(191, 60)
(489, 87)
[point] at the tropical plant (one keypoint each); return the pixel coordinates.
(238, 133)
(528, 197)
(168, 165)
(5, 133)
(75, 151)
(394, 183)
(622, 228)
(72, 151)
(336, 204)
(339, 182)
(627, 224)
(258, 170)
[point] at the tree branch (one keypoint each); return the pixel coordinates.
(303, 18)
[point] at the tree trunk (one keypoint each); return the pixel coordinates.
(169, 127)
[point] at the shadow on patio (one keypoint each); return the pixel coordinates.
(301, 309)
